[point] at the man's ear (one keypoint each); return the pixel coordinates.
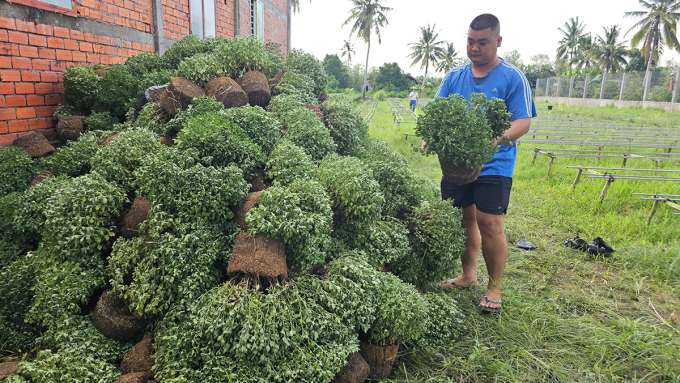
(500, 39)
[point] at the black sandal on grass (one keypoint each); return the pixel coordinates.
(491, 309)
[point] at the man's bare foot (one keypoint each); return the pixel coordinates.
(492, 300)
(458, 282)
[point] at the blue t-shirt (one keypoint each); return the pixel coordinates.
(506, 82)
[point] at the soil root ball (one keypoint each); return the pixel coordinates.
(315, 109)
(258, 256)
(7, 369)
(458, 175)
(112, 317)
(70, 128)
(109, 139)
(355, 371)
(136, 377)
(102, 72)
(379, 358)
(276, 79)
(256, 86)
(139, 358)
(168, 141)
(248, 203)
(178, 95)
(35, 144)
(227, 91)
(323, 98)
(257, 183)
(40, 177)
(152, 94)
(129, 224)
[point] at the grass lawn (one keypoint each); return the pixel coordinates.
(568, 316)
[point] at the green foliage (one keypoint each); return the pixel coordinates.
(259, 125)
(101, 121)
(74, 158)
(81, 87)
(162, 77)
(66, 110)
(287, 163)
(143, 64)
(175, 267)
(239, 55)
(301, 62)
(380, 95)
(64, 367)
(233, 334)
(117, 161)
(12, 242)
(387, 243)
(218, 137)
(437, 240)
(275, 57)
(297, 84)
(187, 189)
(285, 107)
(202, 68)
(390, 77)
(347, 127)
(199, 106)
(445, 321)
(16, 282)
(120, 91)
(188, 46)
(459, 131)
(334, 67)
(309, 133)
(17, 169)
(300, 215)
(354, 193)
(29, 218)
(153, 117)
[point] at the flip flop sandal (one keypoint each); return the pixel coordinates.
(491, 309)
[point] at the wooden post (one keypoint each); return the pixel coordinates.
(552, 158)
(623, 86)
(571, 86)
(625, 157)
(578, 177)
(534, 159)
(651, 213)
(606, 187)
(604, 82)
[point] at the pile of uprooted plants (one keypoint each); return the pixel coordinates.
(210, 215)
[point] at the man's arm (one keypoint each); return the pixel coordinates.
(518, 128)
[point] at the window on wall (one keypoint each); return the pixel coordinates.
(59, 3)
(202, 18)
(59, 6)
(257, 19)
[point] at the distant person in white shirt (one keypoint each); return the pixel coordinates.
(413, 99)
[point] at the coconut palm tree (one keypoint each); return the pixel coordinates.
(448, 59)
(427, 50)
(348, 50)
(296, 5)
(582, 58)
(608, 53)
(656, 30)
(368, 17)
(571, 31)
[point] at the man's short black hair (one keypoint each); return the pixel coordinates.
(485, 21)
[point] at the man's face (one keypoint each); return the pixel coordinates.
(482, 46)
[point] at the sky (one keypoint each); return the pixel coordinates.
(528, 26)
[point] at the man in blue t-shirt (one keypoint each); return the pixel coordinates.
(485, 200)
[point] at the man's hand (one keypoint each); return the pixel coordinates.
(423, 146)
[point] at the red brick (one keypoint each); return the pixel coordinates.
(86, 47)
(9, 50)
(3, 36)
(49, 77)
(83, 12)
(21, 63)
(79, 56)
(92, 58)
(23, 88)
(2, 101)
(106, 60)
(71, 45)
(95, 15)
(61, 32)
(57, 66)
(25, 113)
(7, 23)
(44, 111)
(49, 134)
(25, 26)
(90, 38)
(36, 124)
(17, 37)
(41, 65)
(64, 55)
(88, 3)
(15, 101)
(43, 88)
(52, 100)
(43, 29)
(100, 49)
(10, 75)
(8, 114)
(7, 139)
(35, 100)
(45, 53)
(120, 21)
(124, 13)
(58, 88)
(28, 51)
(3, 130)
(17, 126)
(5, 62)
(6, 88)
(77, 35)
(30, 76)
(37, 40)
(55, 42)
(112, 9)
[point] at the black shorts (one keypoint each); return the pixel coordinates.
(490, 194)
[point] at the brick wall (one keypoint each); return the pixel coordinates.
(224, 20)
(32, 59)
(176, 21)
(276, 25)
(125, 13)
